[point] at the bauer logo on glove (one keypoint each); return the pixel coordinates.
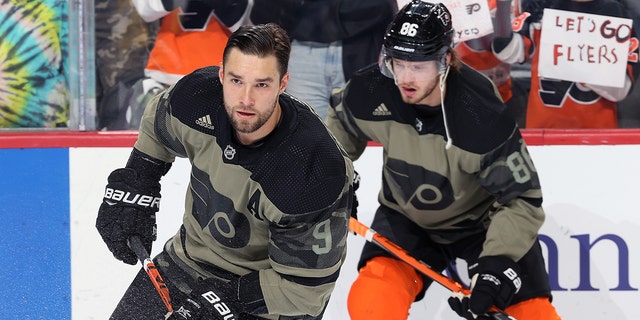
(513, 276)
(218, 304)
(127, 197)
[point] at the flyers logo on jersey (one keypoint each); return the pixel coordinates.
(518, 22)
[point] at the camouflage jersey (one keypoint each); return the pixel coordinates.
(278, 207)
(484, 181)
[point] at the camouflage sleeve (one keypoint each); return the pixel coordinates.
(155, 129)
(296, 284)
(509, 173)
(343, 125)
(307, 251)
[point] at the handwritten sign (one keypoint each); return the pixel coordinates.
(471, 19)
(583, 47)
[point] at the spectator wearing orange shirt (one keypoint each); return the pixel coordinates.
(557, 103)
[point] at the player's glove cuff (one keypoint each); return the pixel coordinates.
(250, 294)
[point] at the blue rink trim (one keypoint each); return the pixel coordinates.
(35, 265)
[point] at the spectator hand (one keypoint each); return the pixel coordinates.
(128, 208)
(210, 299)
(495, 283)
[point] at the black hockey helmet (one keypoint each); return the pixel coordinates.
(421, 31)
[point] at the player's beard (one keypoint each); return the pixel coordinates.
(421, 94)
(248, 126)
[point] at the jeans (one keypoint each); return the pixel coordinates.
(315, 69)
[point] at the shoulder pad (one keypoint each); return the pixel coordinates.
(196, 99)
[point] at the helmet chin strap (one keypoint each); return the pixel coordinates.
(443, 78)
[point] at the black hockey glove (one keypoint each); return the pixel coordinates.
(356, 185)
(128, 208)
(495, 282)
(215, 299)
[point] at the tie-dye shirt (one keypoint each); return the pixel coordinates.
(33, 64)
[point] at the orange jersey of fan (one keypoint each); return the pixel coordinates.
(565, 104)
(481, 58)
(555, 103)
(186, 42)
(487, 63)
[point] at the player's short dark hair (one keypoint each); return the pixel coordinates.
(261, 40)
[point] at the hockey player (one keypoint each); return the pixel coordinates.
(457, 179)
(265, 225)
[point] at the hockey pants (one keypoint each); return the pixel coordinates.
(386, 288)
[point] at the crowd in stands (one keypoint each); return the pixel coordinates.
(144, 46)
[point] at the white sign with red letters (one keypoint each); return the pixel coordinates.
(582, 47)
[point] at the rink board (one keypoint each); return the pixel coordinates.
(55, 265)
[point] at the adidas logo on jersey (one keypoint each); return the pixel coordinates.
(205, 122)
(381, 110)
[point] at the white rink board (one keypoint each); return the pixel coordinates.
(590, 192)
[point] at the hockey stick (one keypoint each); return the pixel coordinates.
(136, 245)
(372, 236)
